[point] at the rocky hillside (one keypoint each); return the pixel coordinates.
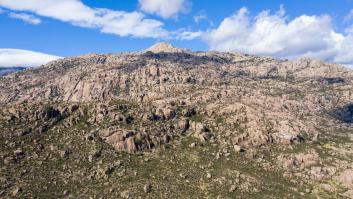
(170, 123)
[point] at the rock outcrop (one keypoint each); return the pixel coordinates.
(164, 47)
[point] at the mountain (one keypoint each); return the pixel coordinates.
(164, 47)
(171, 123)
(7, 70)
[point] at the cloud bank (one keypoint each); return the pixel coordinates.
(120, 23)
(275, 35)
(23, 58)
(165, 9)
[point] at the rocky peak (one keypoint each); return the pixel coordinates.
(164, 47)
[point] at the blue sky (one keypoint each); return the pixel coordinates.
(324, 28)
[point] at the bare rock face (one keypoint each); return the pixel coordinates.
(254, 101)
(128, 141)
(164, 48)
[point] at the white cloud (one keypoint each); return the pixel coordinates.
(275, 35)
(165, 8)
(23, 58)
(31, 19)
(75, 12)
(199, 17)
(187, 35)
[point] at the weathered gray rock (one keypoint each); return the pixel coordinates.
(238, 148)
(94, 155)
(16, 191)
(147, 188)
(64, 153)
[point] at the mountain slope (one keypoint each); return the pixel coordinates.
(206, 119)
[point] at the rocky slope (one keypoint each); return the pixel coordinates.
(170, 123)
